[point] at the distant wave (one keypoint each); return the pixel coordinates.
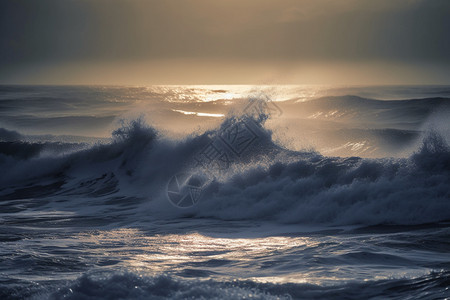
(389, 114)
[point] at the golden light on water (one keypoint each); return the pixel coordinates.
(199, 114)
(219, 256)
(275, 259)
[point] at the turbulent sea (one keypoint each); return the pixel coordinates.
(224, 192)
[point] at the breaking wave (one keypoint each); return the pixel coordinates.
(267, 182)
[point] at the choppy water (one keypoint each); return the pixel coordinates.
(325, 193)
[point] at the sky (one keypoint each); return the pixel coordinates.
(140, 42)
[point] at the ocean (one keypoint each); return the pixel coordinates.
(224, 192)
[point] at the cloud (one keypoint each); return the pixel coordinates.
(51, 32)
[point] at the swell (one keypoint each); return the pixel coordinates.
(397, 114)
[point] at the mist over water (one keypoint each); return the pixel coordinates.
(340, 121)
(324, 192)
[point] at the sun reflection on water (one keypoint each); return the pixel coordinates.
(218, 256)
(276, 259)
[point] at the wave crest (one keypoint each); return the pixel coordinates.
(267, 183)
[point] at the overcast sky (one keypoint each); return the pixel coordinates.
(225, 41)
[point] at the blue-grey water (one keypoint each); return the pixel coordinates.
(224, 192)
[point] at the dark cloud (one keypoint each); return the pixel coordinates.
(57, 32)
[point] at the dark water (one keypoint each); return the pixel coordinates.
(344, 196)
